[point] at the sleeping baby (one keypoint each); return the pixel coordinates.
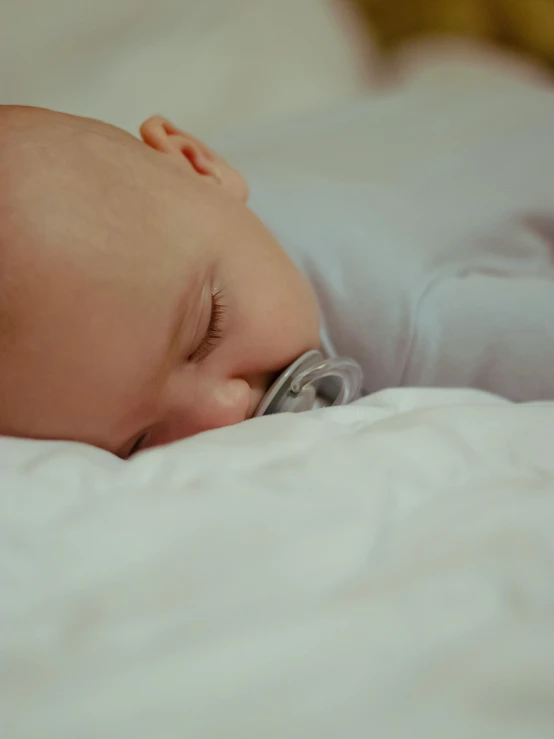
(142, 300)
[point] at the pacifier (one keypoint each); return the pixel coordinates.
(312, 381)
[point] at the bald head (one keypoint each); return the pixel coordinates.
(85, 209)
(120, 258)
(70, 188)
(55, 169)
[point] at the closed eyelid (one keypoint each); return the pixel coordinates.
(214, 331)
(137, 446)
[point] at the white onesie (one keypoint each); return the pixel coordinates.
(425, 221)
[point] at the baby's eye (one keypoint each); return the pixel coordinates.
(138, 445)
(214, 332)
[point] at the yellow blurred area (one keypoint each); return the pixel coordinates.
(523, 25)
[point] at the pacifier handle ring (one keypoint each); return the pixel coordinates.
(346, 370)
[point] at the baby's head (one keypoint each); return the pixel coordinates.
(141, 301)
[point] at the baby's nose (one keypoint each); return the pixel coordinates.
(213, 405)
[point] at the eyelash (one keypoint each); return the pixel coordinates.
(137, 446)
(214, 332)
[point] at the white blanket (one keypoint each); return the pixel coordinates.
(380, 570)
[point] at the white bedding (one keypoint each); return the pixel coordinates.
(383, 570)
(379, 570)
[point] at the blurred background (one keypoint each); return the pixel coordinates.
(522, 26)
(219, 65)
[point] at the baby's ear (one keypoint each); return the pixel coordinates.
(160, 134)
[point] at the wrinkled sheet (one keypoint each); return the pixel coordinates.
(384, 569)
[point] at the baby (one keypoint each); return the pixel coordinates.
(141, 300)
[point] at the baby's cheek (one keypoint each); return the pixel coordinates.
(300, 315)
(296, 326)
